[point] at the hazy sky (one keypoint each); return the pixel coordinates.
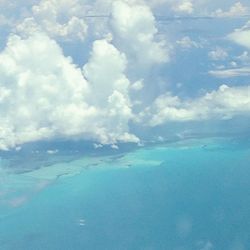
(122, 71)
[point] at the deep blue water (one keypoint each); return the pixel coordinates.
(175, 198)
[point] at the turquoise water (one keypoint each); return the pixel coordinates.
(179, 197)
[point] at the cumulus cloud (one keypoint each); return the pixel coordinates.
(59, 19)
(244, 57)
(39, 82)
(138, 85)
(44, 95)
(218, 54)
(241, 36)
(135, 33)
(106, 73)
(184, 6)
(223, 103)
(237, 9)
(186, 42)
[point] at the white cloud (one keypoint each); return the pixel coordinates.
(97, 145)
(135, 33)
(241, 36)
(227, 73)
(186, 42)
(105, 72)
(114, 146)
(41, 84)
(44, 95)
(138, 85)
(185, 6)
(223, 103)
(233, 64)
(218, 54)
(244, 57)
(52, 151)
(59, 19)
(238, 9)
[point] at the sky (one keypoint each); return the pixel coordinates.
(123, 71)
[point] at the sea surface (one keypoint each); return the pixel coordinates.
(190, 195)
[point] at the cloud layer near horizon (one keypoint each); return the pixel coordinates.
(224, 103)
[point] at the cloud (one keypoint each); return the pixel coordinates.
(43, 95)
(59, 19)
(241, 36)
(184, 6)
(228, 73)
(186, 42)
(96, 145)
(138, 85)
(43, 87)
(135, 33)
(52, 151)
(105, 71)
(223, 103)
(236, 10)
(244, 57)
(218, 54)
(114, 147)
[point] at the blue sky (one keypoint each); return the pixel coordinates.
(123, 71)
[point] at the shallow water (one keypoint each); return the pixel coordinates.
(186, 196)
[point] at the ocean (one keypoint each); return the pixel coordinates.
(188, 195)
